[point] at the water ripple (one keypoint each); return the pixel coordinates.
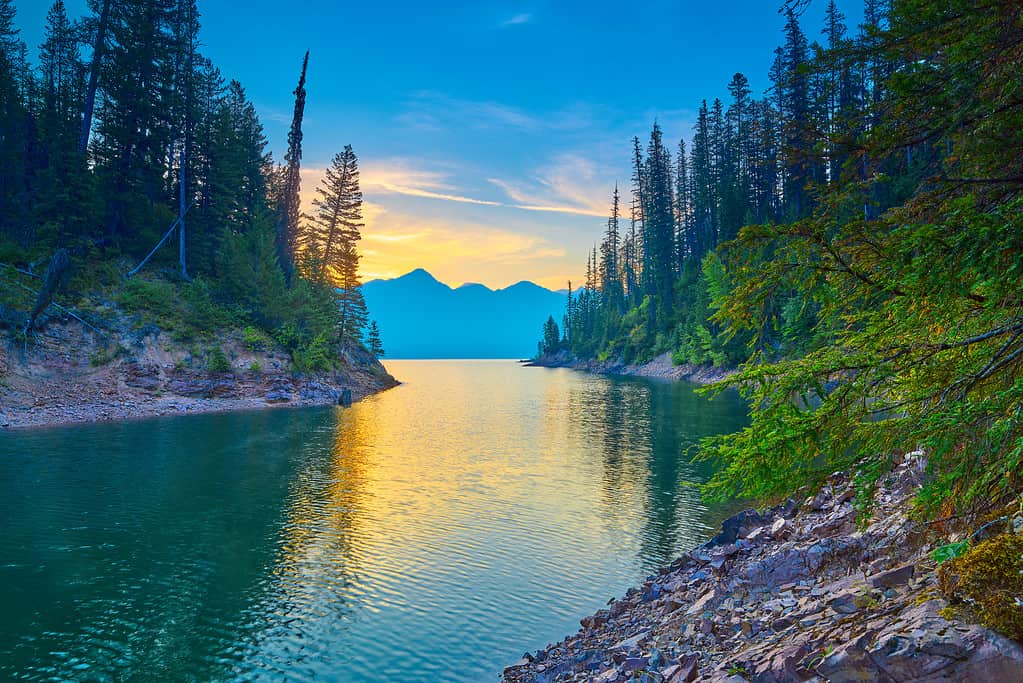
(431, 533)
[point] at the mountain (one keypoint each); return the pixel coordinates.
(420, 317)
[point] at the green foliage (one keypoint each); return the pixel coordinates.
(216, 361)
(919, 304)
(318, 354)
(950, 551)
(254, 339)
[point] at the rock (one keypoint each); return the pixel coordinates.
(780, 529)
(277, 396)
(700, 605)
(688, 669)
(781, 623)
(595, 620)
(843, 604)
(850, 664)
(629, 643)
(892, 577)
(633, 663)
(193, 388)
(732, 527)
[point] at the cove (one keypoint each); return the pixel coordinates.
(429, 533)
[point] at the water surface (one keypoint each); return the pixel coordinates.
(430, 533)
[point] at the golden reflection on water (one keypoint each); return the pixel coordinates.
(478, 508)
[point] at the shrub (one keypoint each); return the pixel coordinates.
(216, 361)
(253, 339)
(318, 354)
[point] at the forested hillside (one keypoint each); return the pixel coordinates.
(133, 172)
(853, 240)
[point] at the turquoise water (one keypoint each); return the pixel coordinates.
(430, 533)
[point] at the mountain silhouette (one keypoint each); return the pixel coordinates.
(420, 317)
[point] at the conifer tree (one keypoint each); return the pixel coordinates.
(337, 220)
(376, 347)
(289, 203)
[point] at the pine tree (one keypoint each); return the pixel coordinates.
(376, 347)
(793, 86)
(63, 196)
(610, 275)
(289, 207)
(338, 218)
(14, 139)
(134, 131)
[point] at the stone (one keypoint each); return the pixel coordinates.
(630, 643)
(780, 529)
(688, 669)
(844, 604)
(277, 396)
(633, 663)
(701, 604)
(595, 620)
(892, 577)
(781, 623)
(193, 388)
(732, 527)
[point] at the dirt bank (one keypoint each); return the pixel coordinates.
(69, 374)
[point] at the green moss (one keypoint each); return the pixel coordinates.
(988, 581)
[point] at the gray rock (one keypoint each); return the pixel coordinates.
(843, 604)
(893, 577)
(277, 396)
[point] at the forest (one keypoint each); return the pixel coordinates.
(131, 167)
(850, 242)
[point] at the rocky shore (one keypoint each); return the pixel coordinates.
(660, 367)
(795, 593)
(67, 375)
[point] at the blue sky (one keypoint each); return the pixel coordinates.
(490, 133)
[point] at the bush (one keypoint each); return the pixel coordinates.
(216, 361)
(318, 354)
(253, 339)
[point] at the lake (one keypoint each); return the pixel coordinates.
(433, 532)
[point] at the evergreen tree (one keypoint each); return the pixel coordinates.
(134, 132)
(338, 218)
(289, 203)
(14, 125)
(376, 347)
(551, 337)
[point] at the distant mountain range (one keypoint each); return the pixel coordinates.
(420, 317)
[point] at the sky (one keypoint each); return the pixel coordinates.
(490, 134)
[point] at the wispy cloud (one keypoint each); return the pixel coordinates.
(432, 111)
(518, 20)
(400, 177)
(570, 184)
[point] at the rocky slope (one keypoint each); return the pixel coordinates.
(797, 593)
(67, 373)
(660, 367)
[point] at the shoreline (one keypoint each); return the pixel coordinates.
(660, 367)
(795, 593)
(68, 376)
(144, 408)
